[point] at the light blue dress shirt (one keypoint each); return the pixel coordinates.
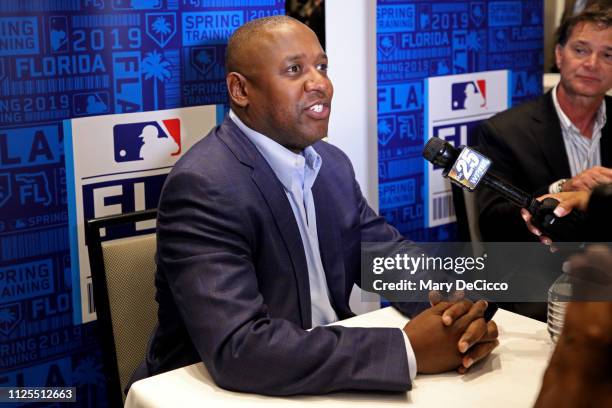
(297, 173)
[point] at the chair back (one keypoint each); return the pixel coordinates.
(123, 274)
(467, 213)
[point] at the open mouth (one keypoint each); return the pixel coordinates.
(318, 108)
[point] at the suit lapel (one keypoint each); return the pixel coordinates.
(546, 131)
(276, 199)
(548, 136)
(329, 239)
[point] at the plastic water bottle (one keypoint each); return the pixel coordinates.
(559, 294)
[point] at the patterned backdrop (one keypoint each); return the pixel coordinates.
(63, 59)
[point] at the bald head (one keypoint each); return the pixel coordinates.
(240, 43)
(277, 81)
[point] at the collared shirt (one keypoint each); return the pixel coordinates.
(582, 152)
(297, 173)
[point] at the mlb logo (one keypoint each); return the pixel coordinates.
(471, 95)
(155, 140)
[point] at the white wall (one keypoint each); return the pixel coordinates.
(350, 36)
(350, 32)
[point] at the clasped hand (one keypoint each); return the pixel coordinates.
(451, 335)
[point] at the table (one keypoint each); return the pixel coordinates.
(510, 377)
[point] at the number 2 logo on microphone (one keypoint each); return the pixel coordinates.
(469, 168)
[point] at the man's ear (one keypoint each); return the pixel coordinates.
(236, 88)
(558, 58)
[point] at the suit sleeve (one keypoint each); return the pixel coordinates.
(206, 250)
(375, 228)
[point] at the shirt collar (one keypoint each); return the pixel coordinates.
(285, 164)
(566, 123)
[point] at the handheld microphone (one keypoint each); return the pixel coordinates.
(467, 168)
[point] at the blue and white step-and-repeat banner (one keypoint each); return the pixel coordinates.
(65, 59)
(425, 51)
(117, 164)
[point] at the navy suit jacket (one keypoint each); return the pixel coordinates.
(232, 281)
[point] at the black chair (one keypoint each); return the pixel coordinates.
(123, 273)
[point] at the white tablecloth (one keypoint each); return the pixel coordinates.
(509, 377)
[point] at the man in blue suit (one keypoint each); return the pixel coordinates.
(259, 233)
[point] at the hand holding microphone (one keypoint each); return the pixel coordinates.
(467, 168)
(568, 201)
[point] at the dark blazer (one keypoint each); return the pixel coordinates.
(232, 281)
(598, 217)
(526, 146)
